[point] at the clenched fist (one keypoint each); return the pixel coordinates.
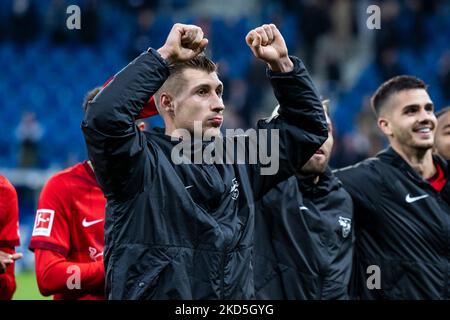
(183, 43)
(267, 44)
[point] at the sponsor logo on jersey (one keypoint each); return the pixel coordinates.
(94, 254)
(86, 223)
(44, 222)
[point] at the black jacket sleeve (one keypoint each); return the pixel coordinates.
(117, 148)
(301, 126)
(363, 182)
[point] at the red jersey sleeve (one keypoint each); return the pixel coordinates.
(53, 272)
(9, 215)
(51, 226)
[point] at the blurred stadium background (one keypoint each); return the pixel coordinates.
(46, 69)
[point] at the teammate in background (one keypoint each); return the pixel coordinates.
(185, 231)
(402, 201)
(304, 236)
(442, 136)
(9, 238)
(68, 235)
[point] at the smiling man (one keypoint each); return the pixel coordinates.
(442, 136)
(401, 200)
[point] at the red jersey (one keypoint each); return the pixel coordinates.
(9, 234)
(9, 215)
(439, 180)
(70, 221)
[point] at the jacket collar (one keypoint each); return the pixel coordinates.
(161, 133)
(327, 183)
(390, 156)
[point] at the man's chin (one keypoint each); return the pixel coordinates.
(424, 145)
(211, 132)
(314, 167)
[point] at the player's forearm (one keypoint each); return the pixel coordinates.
(117, 106)
(298, 97)
(7, 283)
(115, 146)
(57, 275)
(283, 65)
(301, 112)
(301, 126)
(7, 279)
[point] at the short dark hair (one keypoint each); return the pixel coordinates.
(89, 97)
(442, 112)
(199, 62)
(394, 85)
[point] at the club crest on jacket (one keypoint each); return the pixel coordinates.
(346, 224)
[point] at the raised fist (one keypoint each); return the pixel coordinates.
(267, 44)
(183, 43)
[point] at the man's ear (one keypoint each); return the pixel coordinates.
(384, 125)
(166, 103)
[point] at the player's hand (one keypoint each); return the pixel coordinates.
(6, 259)
(183, 43)
(267, 44)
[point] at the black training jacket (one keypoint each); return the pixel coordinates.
(402, 228)
(185, 231)
(304, 240)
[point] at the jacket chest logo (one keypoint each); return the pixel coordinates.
(410, 199)
(234, 191)
(346, 225)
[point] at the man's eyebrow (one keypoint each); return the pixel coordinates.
(415, 105)
(202, 85)
(207, 85)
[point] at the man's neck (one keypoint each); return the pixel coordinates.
(421, 160)
(315, 180)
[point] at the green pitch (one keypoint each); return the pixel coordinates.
(27, 287)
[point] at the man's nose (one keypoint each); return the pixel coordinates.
(425, 115)
(217, 105)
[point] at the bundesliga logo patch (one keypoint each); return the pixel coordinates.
(43, 223)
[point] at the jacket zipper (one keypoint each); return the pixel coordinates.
(447, 252)
(222, 279)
